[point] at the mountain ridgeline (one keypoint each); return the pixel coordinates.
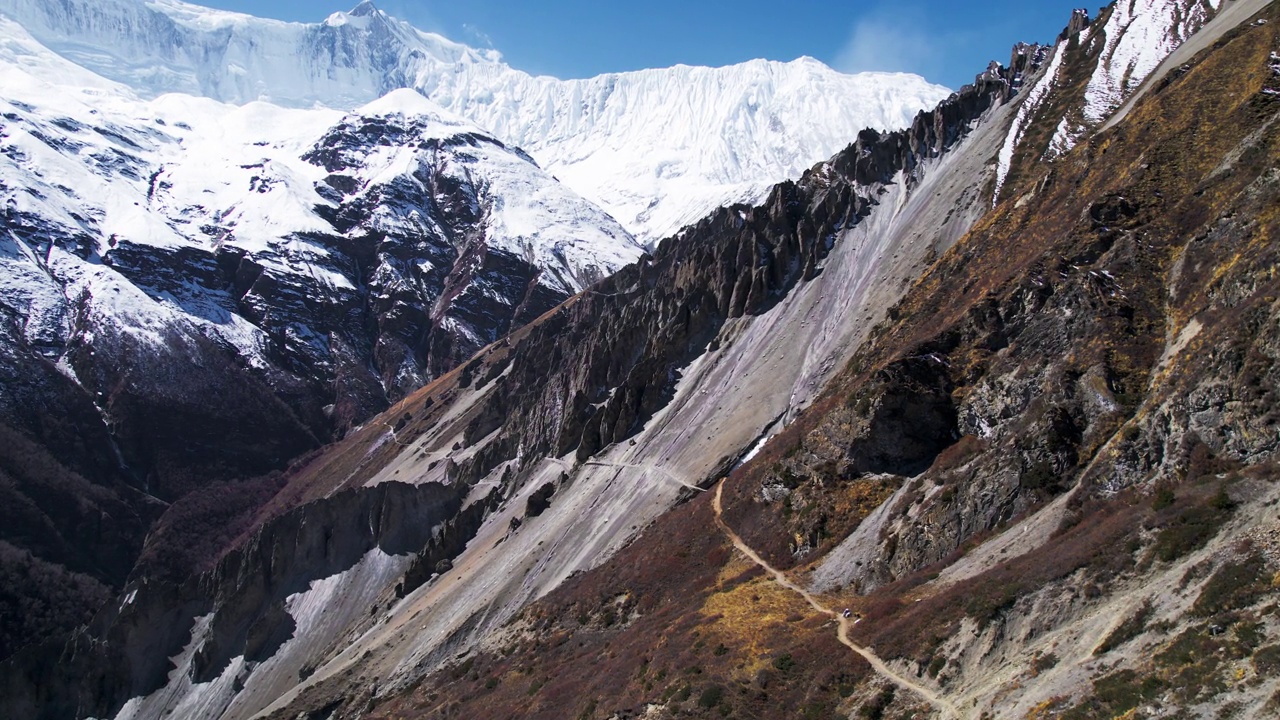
(1001, 383)
(198, 293)
(655, 170)
(624, 343)
(1045, 486)
(580, 378)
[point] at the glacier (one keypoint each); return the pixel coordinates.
(658, 149)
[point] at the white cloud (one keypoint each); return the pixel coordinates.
(896, 40)
(414, 13)
(478, 36)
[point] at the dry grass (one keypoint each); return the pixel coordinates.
(753, 618)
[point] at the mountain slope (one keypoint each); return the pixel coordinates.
(658, 149)
(589, 405)
(1079, 521)
(583, 573)
(192, 292)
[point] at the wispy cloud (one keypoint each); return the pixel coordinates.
(478, 37)
(412, 12)
(895, 40)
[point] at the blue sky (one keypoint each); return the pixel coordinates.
(947, 41)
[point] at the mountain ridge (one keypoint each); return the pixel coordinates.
(755, 124)
(1032, 447)
(445, 433)
(1082, 522)
(194, 293)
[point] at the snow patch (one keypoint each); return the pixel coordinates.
(1139, 36)
(1031, 103)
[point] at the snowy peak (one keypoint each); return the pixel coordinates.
(658, 148)
(365, 9)
(361, 16)
(397, 239)
(408, 103)
(169, 46)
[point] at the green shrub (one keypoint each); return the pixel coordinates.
(711, 696)
(1039, 476)
(1250, 633)
(817, 711)
(874, 709)
(1267, 661)
(1222, 501)
(784, 663)
(1122, 692)
(936, 665)
(1043, 663)
(987, 605)
(1234, 586)
(1190, 530)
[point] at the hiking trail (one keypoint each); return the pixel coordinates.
(842, 633)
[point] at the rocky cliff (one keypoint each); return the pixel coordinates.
(1028, 447)
(1044, 487)
(194, 293)
(245, 611)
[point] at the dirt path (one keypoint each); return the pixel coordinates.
(946, 708)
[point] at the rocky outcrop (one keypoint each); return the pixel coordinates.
(595, 372)
(1069, 363)
(244, 601)
(172, 319)
(449, 542)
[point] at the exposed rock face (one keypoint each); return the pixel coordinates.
(1083, 389)
(582, 378)
(1107, 331)
(1047, 358)
(630, 336)
(195, 293)
(238, 615)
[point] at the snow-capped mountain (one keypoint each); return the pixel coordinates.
(357, 255)
(658, 149)
(968, 409)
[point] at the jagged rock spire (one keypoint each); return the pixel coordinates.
(1079, 21)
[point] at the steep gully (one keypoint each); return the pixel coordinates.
(843, 623)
